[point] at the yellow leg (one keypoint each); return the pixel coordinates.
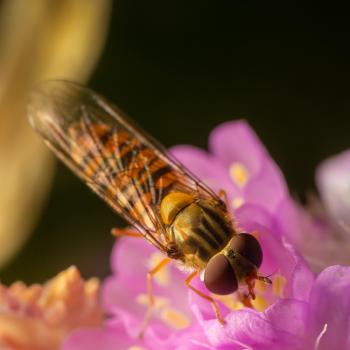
(116, 232)
(204, 296)
(150, 275)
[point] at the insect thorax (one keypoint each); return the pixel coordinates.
(198, 228)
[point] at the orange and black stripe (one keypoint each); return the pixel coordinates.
(213, 233)
(132, 170)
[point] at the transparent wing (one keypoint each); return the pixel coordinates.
(119, 161)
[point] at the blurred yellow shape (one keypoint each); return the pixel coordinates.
(175, 318)
(239, 174)
(278, 285)
(232, 301)
(237, 202)
(39, 40)
(41, 316)
(260, 303)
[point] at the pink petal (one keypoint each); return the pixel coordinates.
(118, 295)
(289, 316)
(330, 309)
(302, 280)
(267, 188)
(291, 220)
(122, 291)
(236, 142)
(306, 232)
(206, 167)
(129, 257)
(249, 215)
(333, 182)
(247, 329)
(112, 337)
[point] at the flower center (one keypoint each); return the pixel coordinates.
(239, 174)
(172, 317)
(278, 285)
(230, 301)
(260, 303)
(320, 336)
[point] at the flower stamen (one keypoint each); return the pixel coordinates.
(229, 301)
(322, 333)
(174, 318)
(260, 303)
(278, 285)
(239, 174)
(246, 347)
(169, 315)
(159, 302)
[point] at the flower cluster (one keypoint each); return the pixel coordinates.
(41, 316)
(300, 310)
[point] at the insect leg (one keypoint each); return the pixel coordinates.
(119, 232)
(150, 274)
(129, 232)
(204, 296)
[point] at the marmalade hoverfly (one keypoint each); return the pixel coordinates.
(137, 177)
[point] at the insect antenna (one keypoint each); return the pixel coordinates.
(265, 279)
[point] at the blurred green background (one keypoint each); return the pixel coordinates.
(179, 69)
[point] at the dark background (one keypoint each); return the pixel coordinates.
(180, 68)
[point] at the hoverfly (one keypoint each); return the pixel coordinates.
(141, 181)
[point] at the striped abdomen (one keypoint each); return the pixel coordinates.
(125, 169)
(200, 230)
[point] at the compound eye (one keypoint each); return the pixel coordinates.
(247, 246)
(219, 277)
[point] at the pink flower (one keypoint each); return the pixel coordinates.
(255, 187)
(298, 312)
(322, 234)
(239, 164)
(320, 321)
(333, 181)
